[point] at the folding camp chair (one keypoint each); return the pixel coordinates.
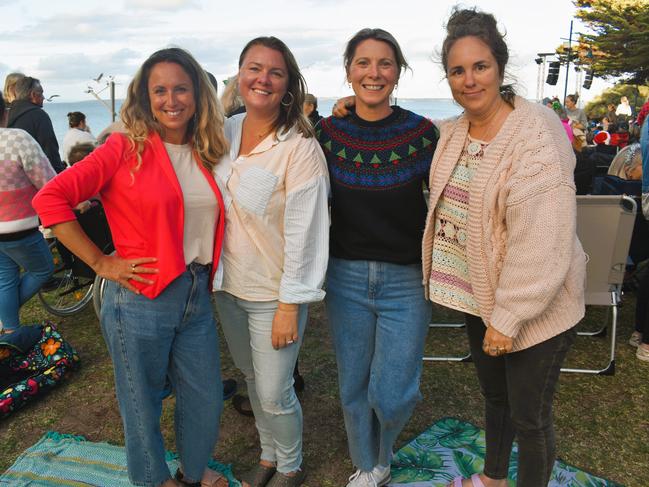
(604, 226)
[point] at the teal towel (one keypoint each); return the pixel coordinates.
(58, 459)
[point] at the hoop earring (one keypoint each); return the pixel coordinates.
(288, 104)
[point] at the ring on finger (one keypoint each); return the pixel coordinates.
(132, 267)
(290, 342)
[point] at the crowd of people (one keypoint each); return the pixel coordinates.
(262, 206)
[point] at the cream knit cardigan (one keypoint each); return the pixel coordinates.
(526, 264)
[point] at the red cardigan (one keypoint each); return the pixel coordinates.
(145, 209)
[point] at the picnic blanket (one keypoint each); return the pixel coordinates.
(33, 360)
(67, 460)
(452, 447)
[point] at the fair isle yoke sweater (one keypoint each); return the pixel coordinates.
(526, 264)
(377, 171)
(24, 169)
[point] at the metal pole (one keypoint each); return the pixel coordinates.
(565, 89)
(112, 100)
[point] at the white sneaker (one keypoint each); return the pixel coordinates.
(378, 477)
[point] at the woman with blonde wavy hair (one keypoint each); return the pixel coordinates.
(166, 215)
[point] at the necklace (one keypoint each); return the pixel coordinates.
(475, 146)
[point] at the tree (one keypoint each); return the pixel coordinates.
(620, 37)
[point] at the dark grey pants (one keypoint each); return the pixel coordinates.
(518, 389)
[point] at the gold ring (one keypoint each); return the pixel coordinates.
(132, 267)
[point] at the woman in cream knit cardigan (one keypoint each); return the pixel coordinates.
(500, 246)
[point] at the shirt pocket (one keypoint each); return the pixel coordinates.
(255, 189)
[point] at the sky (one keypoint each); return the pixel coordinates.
(68, 43)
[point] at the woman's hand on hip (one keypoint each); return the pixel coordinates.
(495, 343)
(121, 271)
(285, 331)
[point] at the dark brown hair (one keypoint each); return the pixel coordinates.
(75, 119)
(290, 110)
(471, 22)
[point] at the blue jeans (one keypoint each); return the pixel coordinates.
(644, 146)
(379, 321)
(33, 255)
(247, 326)
(173, 335)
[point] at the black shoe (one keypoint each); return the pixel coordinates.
(229, 388)
(242, 405)
(298, 382)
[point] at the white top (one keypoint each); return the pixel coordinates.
(623, 109)
(276, 243)
(201, 207)
(73, 137)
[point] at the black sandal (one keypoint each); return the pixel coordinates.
(242, 405)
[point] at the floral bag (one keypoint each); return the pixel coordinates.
(35, 371)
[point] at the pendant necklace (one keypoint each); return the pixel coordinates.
(475, 146)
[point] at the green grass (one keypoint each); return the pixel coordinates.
(602, 422)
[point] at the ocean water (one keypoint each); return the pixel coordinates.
(98, 116)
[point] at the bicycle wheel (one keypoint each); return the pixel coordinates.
(66, 293)
(98, 294)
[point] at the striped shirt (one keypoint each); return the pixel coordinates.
(277, 223)
(450, 282)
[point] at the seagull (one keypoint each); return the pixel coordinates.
(98, 78)
(49, 98)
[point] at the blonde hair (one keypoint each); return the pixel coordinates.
(10, 86)
(231, 98)
(205, 128)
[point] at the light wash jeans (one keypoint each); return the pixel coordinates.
(33, 255)
(379, 320)
(247, 326)
(174, 336)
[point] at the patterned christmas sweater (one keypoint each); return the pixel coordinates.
(378, 170)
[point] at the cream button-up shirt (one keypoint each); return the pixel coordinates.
(277, 226)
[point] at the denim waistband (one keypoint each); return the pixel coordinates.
(196, 267)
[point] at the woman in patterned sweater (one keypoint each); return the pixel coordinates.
(378, 159)
(24, 168)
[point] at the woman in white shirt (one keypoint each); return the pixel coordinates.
(275, 185)
(79, 133)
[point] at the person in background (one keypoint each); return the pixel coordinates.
(577, 115)
(166, 216)
(275, 252)
(610, 113)
(10, 89)
(504, 251)
(623, 110)
(24, 169)
(231, 99)
(379, 158)
(640, 336)
(565, 121)
(27, 113)
(310, 109)
(78, 133)
(79, 151)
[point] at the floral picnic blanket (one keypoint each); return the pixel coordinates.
(26, 375)
(452, 447)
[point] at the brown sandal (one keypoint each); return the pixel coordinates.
(218, 481)
(258, 476)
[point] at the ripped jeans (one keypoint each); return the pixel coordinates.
(247, 326)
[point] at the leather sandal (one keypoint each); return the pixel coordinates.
(218, 481)
(259, 475)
